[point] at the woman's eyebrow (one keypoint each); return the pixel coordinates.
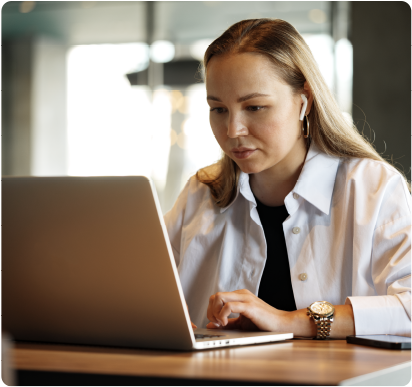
(250, 96)
(213, 98)
(241, 99)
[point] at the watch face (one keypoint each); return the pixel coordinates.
(321, 308)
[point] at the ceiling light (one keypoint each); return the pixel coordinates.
(27, 6)
(317, 16)
(162, 51)
(198, 49)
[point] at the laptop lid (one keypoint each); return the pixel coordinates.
(87, 260)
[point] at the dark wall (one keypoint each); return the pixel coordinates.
(6, 119)
(381, 38)
(16, 106)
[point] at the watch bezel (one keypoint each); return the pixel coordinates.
(319, 315)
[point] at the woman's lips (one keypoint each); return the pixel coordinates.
(242, 153)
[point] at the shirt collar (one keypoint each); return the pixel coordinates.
(315, 183)
(317, 179)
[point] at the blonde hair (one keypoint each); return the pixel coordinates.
(284, 46)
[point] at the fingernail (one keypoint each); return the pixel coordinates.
(217, 324)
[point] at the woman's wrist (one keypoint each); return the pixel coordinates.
(343, 322)
(301, 324)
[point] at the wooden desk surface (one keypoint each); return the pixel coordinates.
(289, 362)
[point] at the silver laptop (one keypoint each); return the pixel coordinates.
(87, 260)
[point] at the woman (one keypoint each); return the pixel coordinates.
(300, 208)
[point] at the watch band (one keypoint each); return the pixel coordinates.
(323, 325)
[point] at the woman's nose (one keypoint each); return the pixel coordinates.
(236, 128)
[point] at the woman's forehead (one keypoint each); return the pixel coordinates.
(240, 61)
(242, 73)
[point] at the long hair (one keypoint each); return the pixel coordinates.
(284, 46)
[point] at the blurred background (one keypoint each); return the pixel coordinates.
(114, 88)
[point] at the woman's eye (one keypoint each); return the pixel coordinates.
(254, 108)
(217, 110)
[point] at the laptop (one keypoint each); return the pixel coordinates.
(87, 260)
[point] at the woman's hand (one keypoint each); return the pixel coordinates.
(255, 314)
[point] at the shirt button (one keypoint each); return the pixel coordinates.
(295, 195)
(296, 230)
(303, 276)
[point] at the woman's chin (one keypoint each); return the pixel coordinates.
(249, 168)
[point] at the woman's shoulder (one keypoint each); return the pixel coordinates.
(376, 180)
(196, 190)
(196, 194)
(199, 193)
(369, 171)
(192, 205)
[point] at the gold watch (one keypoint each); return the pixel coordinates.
(322, 313)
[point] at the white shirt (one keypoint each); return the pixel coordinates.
(348, 230)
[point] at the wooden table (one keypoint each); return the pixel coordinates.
(295, 362)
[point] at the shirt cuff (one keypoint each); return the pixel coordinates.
(376, 315)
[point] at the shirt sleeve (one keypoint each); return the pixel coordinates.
(390, 311)
(174, 222)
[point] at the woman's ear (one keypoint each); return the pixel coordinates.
(308, 92)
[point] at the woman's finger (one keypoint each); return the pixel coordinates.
(212, 325)
(210, 315)
(216, 302)
(238, 323)
(219, 300)
(232, 324)
(232, 307)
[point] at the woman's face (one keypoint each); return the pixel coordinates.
(254, 115)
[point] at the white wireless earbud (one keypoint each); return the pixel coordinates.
(305, 104)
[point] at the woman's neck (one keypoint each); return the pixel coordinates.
(272, 185)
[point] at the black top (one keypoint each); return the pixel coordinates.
(276, 286)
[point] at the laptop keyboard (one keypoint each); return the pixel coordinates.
(199, 336)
